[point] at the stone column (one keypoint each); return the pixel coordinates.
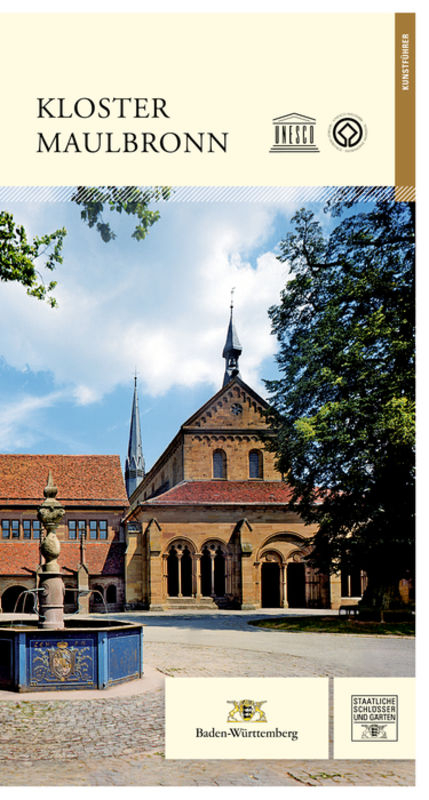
(196, 559)
(212, 572)
(164, 577)
(51, 598)
(283, 568)
(83, 577)
(83, 583)
(179, 573)
(228, 573)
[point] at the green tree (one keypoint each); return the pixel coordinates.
(342, 414)
(22, 260)
(18, 257)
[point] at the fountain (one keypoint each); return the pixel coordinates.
(56, 653)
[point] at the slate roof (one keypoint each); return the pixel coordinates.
(221, 492)
(81, 480)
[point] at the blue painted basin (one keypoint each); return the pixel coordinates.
(87, 654)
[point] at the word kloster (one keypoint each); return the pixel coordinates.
(104, 107)
(84, 108)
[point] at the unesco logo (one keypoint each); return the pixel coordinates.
(347, 132)
(294, 133)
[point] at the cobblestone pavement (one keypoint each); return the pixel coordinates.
(119, 741)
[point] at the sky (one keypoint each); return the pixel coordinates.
(158, 308)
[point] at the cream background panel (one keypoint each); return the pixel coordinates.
(218, 72)
(292, 704)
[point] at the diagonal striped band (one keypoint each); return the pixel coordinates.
(221, 194)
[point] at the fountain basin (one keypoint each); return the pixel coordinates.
(85, 654)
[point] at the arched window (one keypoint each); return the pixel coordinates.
(213, 570)
(256, 464)
(179, 570)
(97, 596)
(14, 598)
(219, 464)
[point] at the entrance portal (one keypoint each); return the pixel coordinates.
(270, 585)
(296, 585)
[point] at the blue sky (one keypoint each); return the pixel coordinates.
(160, 306)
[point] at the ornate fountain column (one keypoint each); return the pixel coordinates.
(51, 598)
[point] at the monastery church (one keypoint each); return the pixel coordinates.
(208, 526)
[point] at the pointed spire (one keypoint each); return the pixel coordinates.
(232, 349)
(134, 464)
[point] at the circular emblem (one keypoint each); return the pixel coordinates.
(348, 132)
(236, 409)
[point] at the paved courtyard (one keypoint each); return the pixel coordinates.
(116, 738)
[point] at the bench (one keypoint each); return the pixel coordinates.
(348, 611)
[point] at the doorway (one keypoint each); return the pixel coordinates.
(270, 585)
(296, 585)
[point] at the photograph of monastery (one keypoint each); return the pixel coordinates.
(210, 522)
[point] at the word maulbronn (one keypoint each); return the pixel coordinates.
(130, 141)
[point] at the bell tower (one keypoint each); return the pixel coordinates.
(232, 349)
(134, 464)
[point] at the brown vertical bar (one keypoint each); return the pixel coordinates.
(405, 107)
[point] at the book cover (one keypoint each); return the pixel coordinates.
(207, 325)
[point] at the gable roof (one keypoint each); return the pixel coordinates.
(222, 492)
(236, 381)
(189, 422)
(81, 480)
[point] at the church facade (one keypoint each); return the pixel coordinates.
(210, 525)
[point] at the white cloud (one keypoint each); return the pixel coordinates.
(160, 306)
(14, 416)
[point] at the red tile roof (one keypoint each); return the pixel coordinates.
(102, 558)
(225, 492)
(92, 480)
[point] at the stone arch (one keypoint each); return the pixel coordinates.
(97, 597)
(215, 569)
(284, 536)
(292, 582)
(181, 567)
(10, 596)
(180, 540)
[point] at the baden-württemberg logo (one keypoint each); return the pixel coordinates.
(246, 711)
(347, 132)
(294, 133)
